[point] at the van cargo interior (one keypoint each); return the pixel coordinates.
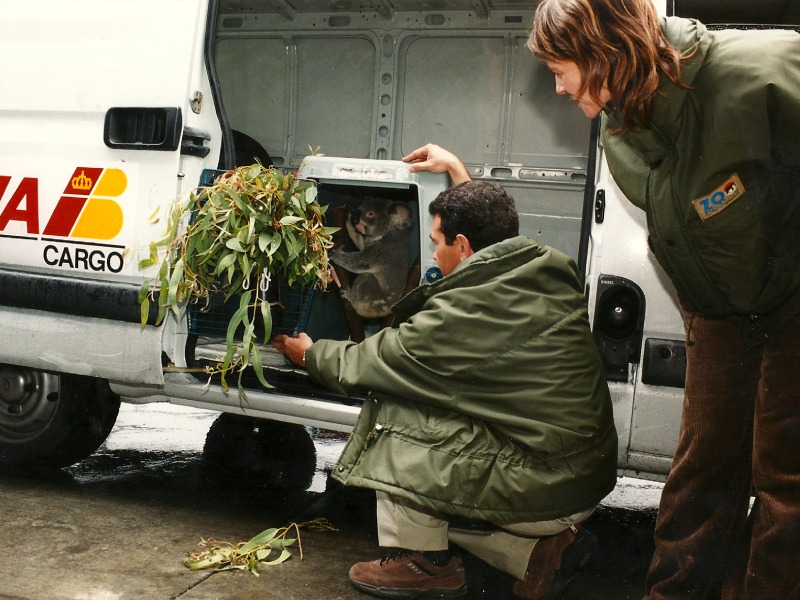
(376, 81)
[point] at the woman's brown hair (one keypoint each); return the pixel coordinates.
(617, 43)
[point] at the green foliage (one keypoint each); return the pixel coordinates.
(253, 226)
(224, 556)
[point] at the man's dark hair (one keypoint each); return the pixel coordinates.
(483, 213)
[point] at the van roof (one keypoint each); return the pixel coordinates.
(379, 6)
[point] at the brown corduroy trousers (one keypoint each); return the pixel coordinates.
(739, 436)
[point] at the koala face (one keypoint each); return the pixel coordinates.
(374, 217)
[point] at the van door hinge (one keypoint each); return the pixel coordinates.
(600, 206)
(196, 102)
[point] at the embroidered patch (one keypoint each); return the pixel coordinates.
(720, 199)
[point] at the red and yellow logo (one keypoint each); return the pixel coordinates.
(86, 210)
(79, 230)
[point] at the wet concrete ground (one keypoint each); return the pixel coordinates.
(118, 525)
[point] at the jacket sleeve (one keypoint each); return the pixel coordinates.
(627, 168)
(783, 103)
(383, 363)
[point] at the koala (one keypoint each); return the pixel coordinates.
(380, 229)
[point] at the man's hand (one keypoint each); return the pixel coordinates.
(436, 159)
(293, 348)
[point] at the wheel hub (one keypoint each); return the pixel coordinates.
(14, 384)
(28, 401)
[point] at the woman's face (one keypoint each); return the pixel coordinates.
(568, 81)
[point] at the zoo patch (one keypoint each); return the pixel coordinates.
(720, 199)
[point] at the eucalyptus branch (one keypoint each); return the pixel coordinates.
(225, 556)
(252, 225)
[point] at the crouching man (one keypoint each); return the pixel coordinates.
(487, 402)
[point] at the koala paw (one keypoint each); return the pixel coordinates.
(334, 253)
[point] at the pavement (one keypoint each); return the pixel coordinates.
(118, 525)
(64, 542)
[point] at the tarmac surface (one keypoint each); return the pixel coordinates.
(118, 525)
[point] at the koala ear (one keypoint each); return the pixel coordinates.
(401, 214)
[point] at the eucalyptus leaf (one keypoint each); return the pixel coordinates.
(224, 263)
(262, 538)
(266, 315)
(258, 367)
(311, 193)
(162, 304)
(238, 317)
(263, 553)
(285, 555)
(145, 311)
(264, 240)
(144, 290)
(234, 244)
(174, 282)
(274, 244)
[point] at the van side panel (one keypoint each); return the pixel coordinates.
(61, 185)
(105, 119)
(647, 415)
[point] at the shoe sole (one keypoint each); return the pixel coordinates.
(572, 562)
(435, 594)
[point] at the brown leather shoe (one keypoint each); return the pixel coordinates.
(554, 563)
(407, 574)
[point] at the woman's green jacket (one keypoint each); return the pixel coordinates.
(718, 173)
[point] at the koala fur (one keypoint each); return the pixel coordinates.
(380, 229)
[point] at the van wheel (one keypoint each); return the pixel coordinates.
(258, 454)
(50, 419)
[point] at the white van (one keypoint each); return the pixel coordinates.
(112, 108)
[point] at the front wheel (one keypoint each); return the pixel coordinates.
(51, 419)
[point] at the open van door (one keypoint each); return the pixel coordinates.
(638, 329)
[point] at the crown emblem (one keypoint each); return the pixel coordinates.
(82, 182)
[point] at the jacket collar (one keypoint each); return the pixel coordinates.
(507, 254)
(653, 144)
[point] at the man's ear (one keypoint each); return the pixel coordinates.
(464, 245)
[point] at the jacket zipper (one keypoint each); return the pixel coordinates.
(372, 435)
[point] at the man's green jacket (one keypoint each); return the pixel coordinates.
(718, 174)
(487, 399)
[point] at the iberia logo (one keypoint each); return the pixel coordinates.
(86, 209)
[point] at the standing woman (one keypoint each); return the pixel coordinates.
(701, 129)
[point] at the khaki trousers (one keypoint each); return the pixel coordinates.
(401, 524)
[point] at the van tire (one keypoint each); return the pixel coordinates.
(258, 454)
(52, 420)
